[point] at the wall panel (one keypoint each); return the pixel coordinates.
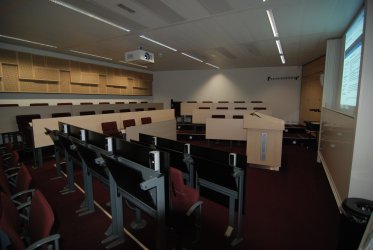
(25, 72)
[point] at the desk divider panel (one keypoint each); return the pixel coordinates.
(225, 129)
(8, 122)
(93, 123)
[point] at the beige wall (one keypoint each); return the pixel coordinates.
(280, 96)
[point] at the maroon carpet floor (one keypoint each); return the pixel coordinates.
(290, 209)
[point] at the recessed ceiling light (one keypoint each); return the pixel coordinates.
(279, 47)
(88, 54)
(28, 41)
(86, 13)
(156, 42)
(273, 23)
(212, 65)
(194, 58)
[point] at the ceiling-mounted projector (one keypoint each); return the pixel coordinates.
(139, 56)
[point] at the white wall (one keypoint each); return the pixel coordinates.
(249, 84)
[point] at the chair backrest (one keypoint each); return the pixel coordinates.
(182, 197)
(66, 114)
(237, 116)
(87, 113)
(109, 128)
(146, 120)
(104, 103)
(65, 103)
(139, 109)
(9, 105)
(218, 116)
(24, 179)
(41, 217)
(152, 108)
(86, 103)
(108, 111)
(39, 104)
(10, 221)
(124, 110)
(119, 102)
(221, 107)
(129, 123)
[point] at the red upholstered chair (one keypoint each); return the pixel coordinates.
(185, 210)
(40, 222)
(129, 123)
(17, 183)
(110, 128)
(184, 199)
(146, 120)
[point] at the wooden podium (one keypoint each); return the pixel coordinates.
(264, 140)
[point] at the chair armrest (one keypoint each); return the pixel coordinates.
(193, 208)
(50, 238)
(14, 197)
(11, 169)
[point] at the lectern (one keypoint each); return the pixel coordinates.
(264, 140)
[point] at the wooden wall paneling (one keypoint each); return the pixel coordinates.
(101, 70)
(36, 73)
(89, 78)
(113, 90)
(57, 63)
(46, 74)
(64, 85)
(38, 61)
(102, 86)
(7, 56)
(25, 70)
(33, 87)
(10, 78)
(74, 72)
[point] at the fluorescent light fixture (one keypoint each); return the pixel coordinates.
(282, 59)
(272, 22)
(84, 53)
(156, 42)
(212, 65)
(279, 47)
(134, 64)
(185, 54)
(28, 41)
(76, 9)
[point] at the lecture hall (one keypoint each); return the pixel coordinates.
(200, 124)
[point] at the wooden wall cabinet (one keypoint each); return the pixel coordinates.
(24, 72)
